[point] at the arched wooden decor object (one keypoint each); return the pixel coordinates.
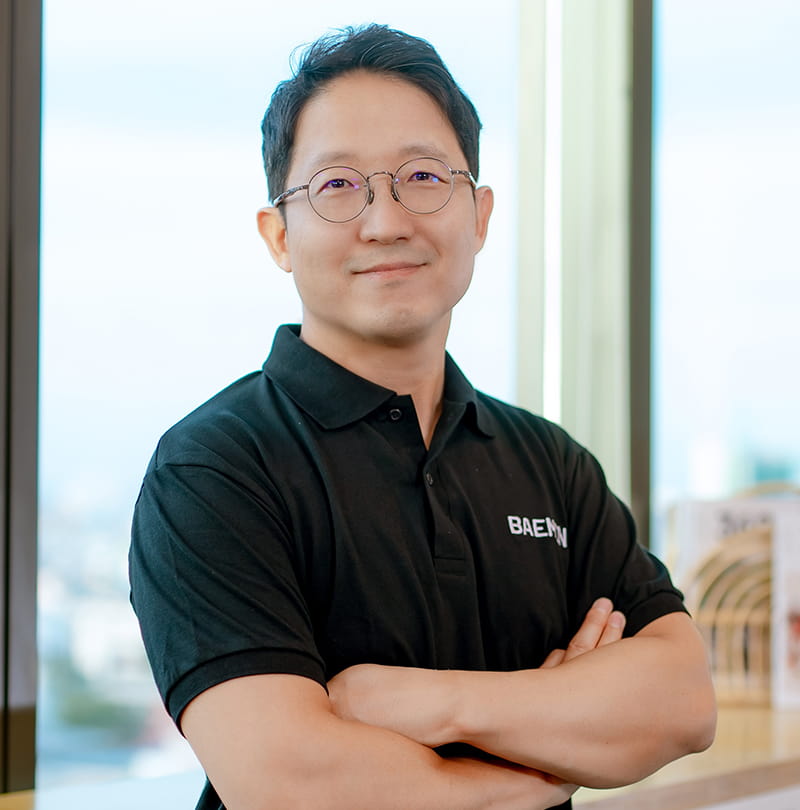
(729, 594)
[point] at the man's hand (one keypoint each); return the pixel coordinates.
(422, 703)
(602, 625)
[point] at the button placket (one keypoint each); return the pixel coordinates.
(448, 542)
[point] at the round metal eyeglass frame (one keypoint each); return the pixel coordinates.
(370, 195)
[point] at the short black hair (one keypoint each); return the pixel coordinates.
(375, 48)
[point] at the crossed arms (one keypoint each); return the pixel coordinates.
(604, 712)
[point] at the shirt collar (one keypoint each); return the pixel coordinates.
(336, 397)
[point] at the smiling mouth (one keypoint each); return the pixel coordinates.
(392, 268)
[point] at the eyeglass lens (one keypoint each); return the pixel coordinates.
(339, 193)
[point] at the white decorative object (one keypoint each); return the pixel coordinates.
(738, 563)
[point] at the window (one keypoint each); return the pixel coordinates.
(156, 292)
(726, 281)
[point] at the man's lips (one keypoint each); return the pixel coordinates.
(390, 267)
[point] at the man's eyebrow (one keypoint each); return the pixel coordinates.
(423, 149)
(337, 158)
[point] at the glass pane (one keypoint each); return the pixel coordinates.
(157, 292)
(726, 270)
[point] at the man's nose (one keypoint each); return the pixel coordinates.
(384, 219)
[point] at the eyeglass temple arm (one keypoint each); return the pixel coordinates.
(467, 174)
(288, 193)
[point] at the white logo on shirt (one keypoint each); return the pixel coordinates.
(538, 527)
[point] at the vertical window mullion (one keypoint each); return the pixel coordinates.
(19, 181)
(640, 279)
(5, 258)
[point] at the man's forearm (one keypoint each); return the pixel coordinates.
(272, 741)
(350, 765)
(604, 718)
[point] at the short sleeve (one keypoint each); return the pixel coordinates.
(606, 558)
(215, 583)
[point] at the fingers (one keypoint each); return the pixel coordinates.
(613, 629)
(591, 631)
(553, 660)
(602, 625)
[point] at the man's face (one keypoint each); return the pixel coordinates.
(389, 276)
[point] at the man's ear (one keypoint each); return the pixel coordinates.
(484, 203)
(272, 228)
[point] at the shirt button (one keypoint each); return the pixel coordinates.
(395, 414)
(429, 479)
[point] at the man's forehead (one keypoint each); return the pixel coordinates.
(362, 119)
(347, 156)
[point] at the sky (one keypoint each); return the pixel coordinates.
(726, 261)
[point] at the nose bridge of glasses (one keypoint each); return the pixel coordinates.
(392, 185)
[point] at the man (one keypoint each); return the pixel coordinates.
(361, 583)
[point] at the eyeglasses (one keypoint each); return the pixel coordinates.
(339, 193)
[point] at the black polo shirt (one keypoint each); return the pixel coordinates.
(296, 523)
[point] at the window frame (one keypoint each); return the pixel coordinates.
(600, 155)
(20, 141)
(641, 264)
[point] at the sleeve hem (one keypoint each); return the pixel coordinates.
(239, 665)
(654, 608)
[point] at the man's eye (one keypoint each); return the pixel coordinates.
(337, 184)
(424, 177)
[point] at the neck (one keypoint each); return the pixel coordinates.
(415, 369)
